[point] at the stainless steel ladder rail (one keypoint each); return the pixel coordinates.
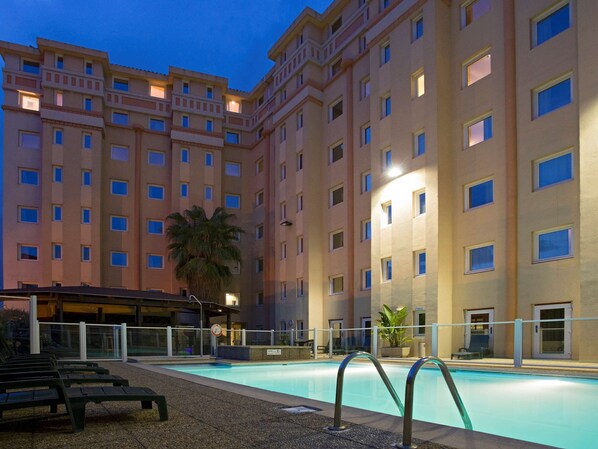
(339, 387)
(409, 392)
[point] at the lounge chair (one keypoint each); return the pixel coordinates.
(478, 345)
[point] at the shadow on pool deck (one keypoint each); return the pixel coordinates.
(202, 416)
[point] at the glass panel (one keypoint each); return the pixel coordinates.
(554, 24)
(188, 341)
(60, 339)
(554, 244)
(554, 97)
(555, 170)
(481, 194)
(476, 9)
(146, 342)
(479, 69)
(552, 334)
(481, 258)
(103, 341)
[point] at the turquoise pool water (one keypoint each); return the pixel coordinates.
(557, 411)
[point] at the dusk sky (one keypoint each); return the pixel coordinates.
(228, 38)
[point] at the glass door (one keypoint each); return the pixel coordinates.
(480, 323)
(552, 339)
(337, 334)
(366, 334)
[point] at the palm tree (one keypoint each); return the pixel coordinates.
(203, 249)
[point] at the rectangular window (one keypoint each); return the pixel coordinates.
(156, 124)
(57, 173)
(85, 215)
(551, 23)
(479, 258)
(232, 137)
(259, 198)
(336, 152)
(300, 120)
(185, 121)
(336, 196)
(335, 67)
(420, 262)
(58, 136)
(553, 244)
(365, 88)
(420, 202)
(336, 25)
(259, 298)
(384, 4)
(120, 84)
(283, 210)
(85, 253)
(259, 265)
(56, 251)
(300, 161)
(185, 87)
(210, 126)
(88, 68)
(283, 250)
(119, 153)
(87, 104)
(387, 214)
(300, 245)
(157, 91)
(232, 169)
(120, 188)
(478, 131)
(185, 155)
(156, 158)
(86, 178)
(419, 144)
(60, 62)
(59, 98)
(87, 141)
(386, 107)
(27, 214)
(366, 182)
(283, 133)
(473, 10)
(27, 176)
(120, 118)
(29, 102)
(56, 212)
(366, 230)
(417, 28)
(477, 68)
(335, 110)
(283, 295)
(259, 232)
(28, 252)
(300, 290)
(366, 134)
(208, 192)
(155, 261)
(120, 224)
(119, 259)
(419, 319)
(366, 279)
(184, 189)
(155, 227)
(155, 192)
(336, 284)
(555, 96)
(232, 201)
(31, 67)
(209, 159)
(553, 170)
(29, 140)
(259, 166)
(387, 159)
(384, 53)
(283, 171)
(337, 240)
(209, 92)
(479, 194)
(386, 269)
(419, 84)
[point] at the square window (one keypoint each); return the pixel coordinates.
(336, 285)
(417, 28)
(29, 140)
(86, 178)
(385, 106)
(87, 104)
(120, 118)
(420, 202)
(551, 23)
(120, 188)
(56, 212)
(119, 259)
(477, 68)
(337, 240)
(27, 176)
(259, 232)
(419, 144)
(157, 91)
(155, 192)
(184, 189)
(233, 106)
(155, 261)
(555, 96)
(419, 319)
(85, 215)
(155, 227)
(156, 158)
(336, 196)
(479, 258)
(232, 169)
(119, 153)
(184, 155)
(232, 201)
(366, 230)
(386, 269)
(58, 136)
(553, 244)
(366, 279)
(185, 121)
(30, 67)
(232, 137)
(384, 53)
(56, 251)
(85, 253)
(420, 262)
(387, 214)
(336, 110)
(478, 131)
(479, 194)
(419, 84)
(208, 192)
(120, 84)
(156, 124)
(87, 141)
(120, 224)
(209, 159)
(366, 134)
(28, 252)
(473, 10)
(57, 173)
(27, 214)
(210, 126)
(366, 182)
(553, 170)
(336, 152)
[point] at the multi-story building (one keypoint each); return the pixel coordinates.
(424, 153)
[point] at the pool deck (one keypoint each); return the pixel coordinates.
(205, 413)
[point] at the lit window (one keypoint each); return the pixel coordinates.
(233, 106)
(384, 53)
(555, 96)
(120, 224)
(473, 10)
(259, 198)
(157, 91)
(120, 118)
(120, 84)
(366, 182)
(300, 245)
(185, 121)
(58, 136)
(366, 279)
(87, 141)
(232, 201)
(185, 87)
(365, 88)
(86, 177)
(232, 169)
(478, 131)
(336, 152)
(208, 192)
(551, 23)
(29, 102)
(479, 258)
(119, 259)
(386, 106)
(28, 252)
(386, 269)
(337, 240)
(210, 92)
(420, 202)
(232, 137)
(419, 320)
(27, 214)
(259, 232)
(336, 285)
(336, 196)
(419, 144)
(87, 104)
(366, 134)
(184, 189)
(156, 158)
(210, 126)
(85, 215)
(31, 67)
(300, 161)
(553, 170)
(184, 155)
(27, 176)
(209, 159)
(156, 124)
(477, 68)
(119, 153)
(56, 212)
(89, 68)
(387, 213)
(155, 192)
(57, 173)
(120, 188)
(155, 227)
(29, 140)
(553, 244)
(419, 84)
(479, 194)
(59, 98)
(366, 230)
(336, 110)
(155, 261)
(85, 253)
(56, 251)
(417, 28)
(420, 262)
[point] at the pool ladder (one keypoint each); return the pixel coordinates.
(407, 410)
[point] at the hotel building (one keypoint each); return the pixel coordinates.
(435, 154)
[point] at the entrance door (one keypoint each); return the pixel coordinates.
(337, 327)
(552, 340)
(366, 334)
(478, 325)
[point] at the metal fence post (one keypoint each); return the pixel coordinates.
(330, 343)
(375, 342)
(518, 343)
(243, 337)
(169, 341)
(435, 339)
(271, 337)
(123, 341)
(82, 341)
(315, 348)
(34, 344)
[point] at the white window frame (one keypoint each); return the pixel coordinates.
(468, 186)
(331, 280)
(543, 15)
(331, 107)
(471, 61)
(417, 204)
(161, 267)
(536, 236)
(126, 223)
(364, 285)
(118, 252)
(386, 219)
(232, 195)
(232, 169)
(364, 230)
(163, 188)
(331, 195)
(468, 250)
(416, 255)
(385, 263)
(475, 121)
(553, 82)
(332, 235)
(418, 84)
(544, 159)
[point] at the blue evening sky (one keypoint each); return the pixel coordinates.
(228, 38)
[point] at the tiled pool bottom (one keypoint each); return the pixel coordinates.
(556, 411)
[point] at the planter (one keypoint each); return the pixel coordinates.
(395, 352)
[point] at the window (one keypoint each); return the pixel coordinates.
(300, 119)
(85, 215)
(336, 152)
(29, 102)
(210, 126)
(185, 155)
(259, 232)
(120, 118)
(120, 224)
(283, 133)
(551, 23)
(283, 250)
(386, 269)
(58, 136)
(155, 227)
(119, 153)
(31, 67)
(259, 298)
(232, 169)
(300, 161)
(185, 87)
(29, 140)
(477, 68)
(208, 192)
(233, 106)
(56, 212)
(473, 10)
(209, 159)
(366, 182)
(553, 170)
(57, 173)
(337, 240)
(157, 91)
(59, 98)
(184, 189)
(28, 252)
(87, 141)
(56, 251)
(364, 88)
(384, 53)
(419, 319)
(300, 245)
(59, 62)
(259, 265)
(384, 4)
(209, 92)
(120, 84)
(88, 68)
(259, 198)
(420, 202)
(283, 295)
(259, 166)
(336, 196)
(156, 124)
(232, 201)
(119, 259)
(387, 159)
(336, 284)
(419, 143)
(283, 171)
(420, 262)
(363, 42)
(387, 213)
(335, 110)
(417, 28)
(27, 214)
(479, 194)
(155, 261)
(86, 177)
(366, 279)
(386, 108)
(419, 84)
(87, 104)
(283, 210)
(185, 121)
(479, 258)
(156, 158)
(232, 137)
(335, 67)
(300, 289)
(553, 244)
(366, 134)
(478, 131)
(27, 176)
(552, 97)
(85, 253)
(155, 192)
(120, 188)
(336, 25)
(366, 230)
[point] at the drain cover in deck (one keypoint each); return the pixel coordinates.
(301, 409)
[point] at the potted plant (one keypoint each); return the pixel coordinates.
(390, 330)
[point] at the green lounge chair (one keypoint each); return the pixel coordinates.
(478, 345)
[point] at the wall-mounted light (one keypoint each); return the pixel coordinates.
(286, 223)
(393, 172)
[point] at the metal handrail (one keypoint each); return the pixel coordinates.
(409, 392)
(339, 387)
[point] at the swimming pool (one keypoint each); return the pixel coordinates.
(557, 411)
